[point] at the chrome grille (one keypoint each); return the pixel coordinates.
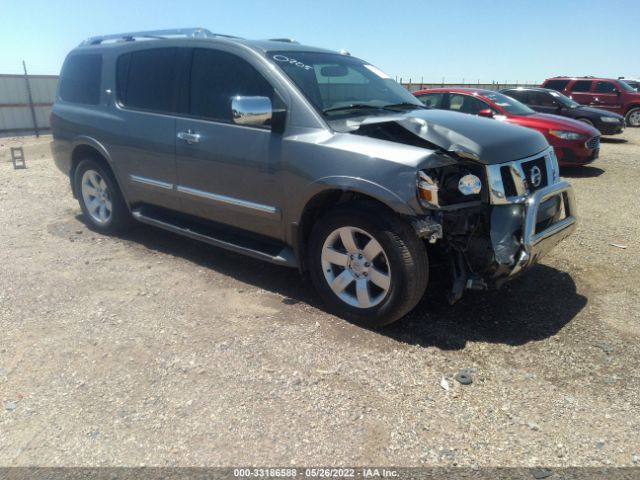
(512, 182)
(593, 143)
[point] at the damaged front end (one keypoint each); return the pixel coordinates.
(494, 221)
(491, 215)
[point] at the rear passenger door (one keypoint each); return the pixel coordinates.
(580, 92)
(143, 145)
(231, 173)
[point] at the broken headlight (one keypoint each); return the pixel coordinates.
(450, 185)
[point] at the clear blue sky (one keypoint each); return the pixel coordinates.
(472, 40)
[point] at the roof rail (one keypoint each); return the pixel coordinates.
(285, 40)
(157, 34)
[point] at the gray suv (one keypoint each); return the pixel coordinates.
(306, 158)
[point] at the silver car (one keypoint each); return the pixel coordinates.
(306, 158)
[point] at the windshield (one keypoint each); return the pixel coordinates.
(508, 104)
(341, 85)
(626, 87)
(564, 100)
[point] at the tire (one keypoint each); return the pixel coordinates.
(632, 118)
(374, 284)
(585, 120)
(103, 206)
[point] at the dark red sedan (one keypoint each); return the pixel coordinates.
(575, 143)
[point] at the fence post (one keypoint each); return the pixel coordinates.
(33, 110)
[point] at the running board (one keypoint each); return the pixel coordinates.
(277, 254)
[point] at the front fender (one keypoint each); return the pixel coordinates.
(362, 186)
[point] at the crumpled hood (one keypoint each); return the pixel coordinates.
(483, 139)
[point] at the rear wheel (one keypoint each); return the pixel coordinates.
(633, 117)
(102, 204)
(369, 268)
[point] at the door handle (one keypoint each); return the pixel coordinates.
(189, 136)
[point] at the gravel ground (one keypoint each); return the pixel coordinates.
(152, 349)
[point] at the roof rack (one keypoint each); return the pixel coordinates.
(155, 34)
(285, 40)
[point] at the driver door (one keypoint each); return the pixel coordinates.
(227, 173)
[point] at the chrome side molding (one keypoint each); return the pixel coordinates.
(151, 182)
(214, 197)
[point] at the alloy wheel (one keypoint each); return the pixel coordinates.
(356, 267)
(96, 197)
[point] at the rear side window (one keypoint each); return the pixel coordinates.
(148, 79)
(431, 100)
(605, 87)
(80, 81)
(558, 85)
(216, 77)
(581, 86)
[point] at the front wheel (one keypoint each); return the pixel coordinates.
(633, 117)
(369, 267)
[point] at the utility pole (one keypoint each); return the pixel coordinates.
(33, 110)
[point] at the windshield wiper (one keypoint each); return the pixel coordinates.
(403, 105)
(353, 106)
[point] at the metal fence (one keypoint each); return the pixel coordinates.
(412, 87)
(25, 102)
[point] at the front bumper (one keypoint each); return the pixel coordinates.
(534, 243)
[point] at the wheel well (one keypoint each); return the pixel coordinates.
(323, 202)
(631, 107)
(80, 153)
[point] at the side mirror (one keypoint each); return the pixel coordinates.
(486, 112)
(253, 111)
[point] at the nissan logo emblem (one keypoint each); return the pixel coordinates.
(535, 175)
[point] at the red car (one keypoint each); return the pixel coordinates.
(575, 143)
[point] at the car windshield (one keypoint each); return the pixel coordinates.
(343, 85)
(564, 100)
(626, 87)
(508, 104)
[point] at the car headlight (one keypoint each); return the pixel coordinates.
(566, 135)
(450, 185)
(610, 119)
(555, 167)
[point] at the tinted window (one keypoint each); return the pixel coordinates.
(80, 82)
(431, 100)
(148, 79)
(466, 104)
(605, 87)
(541, 99)
(508, 104)
(556, 84)
(581, 86)
(520, 95)
(216, 77)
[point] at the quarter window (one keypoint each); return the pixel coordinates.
(80, 81)
(581, 86)
(148, 79)
(218, 76)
